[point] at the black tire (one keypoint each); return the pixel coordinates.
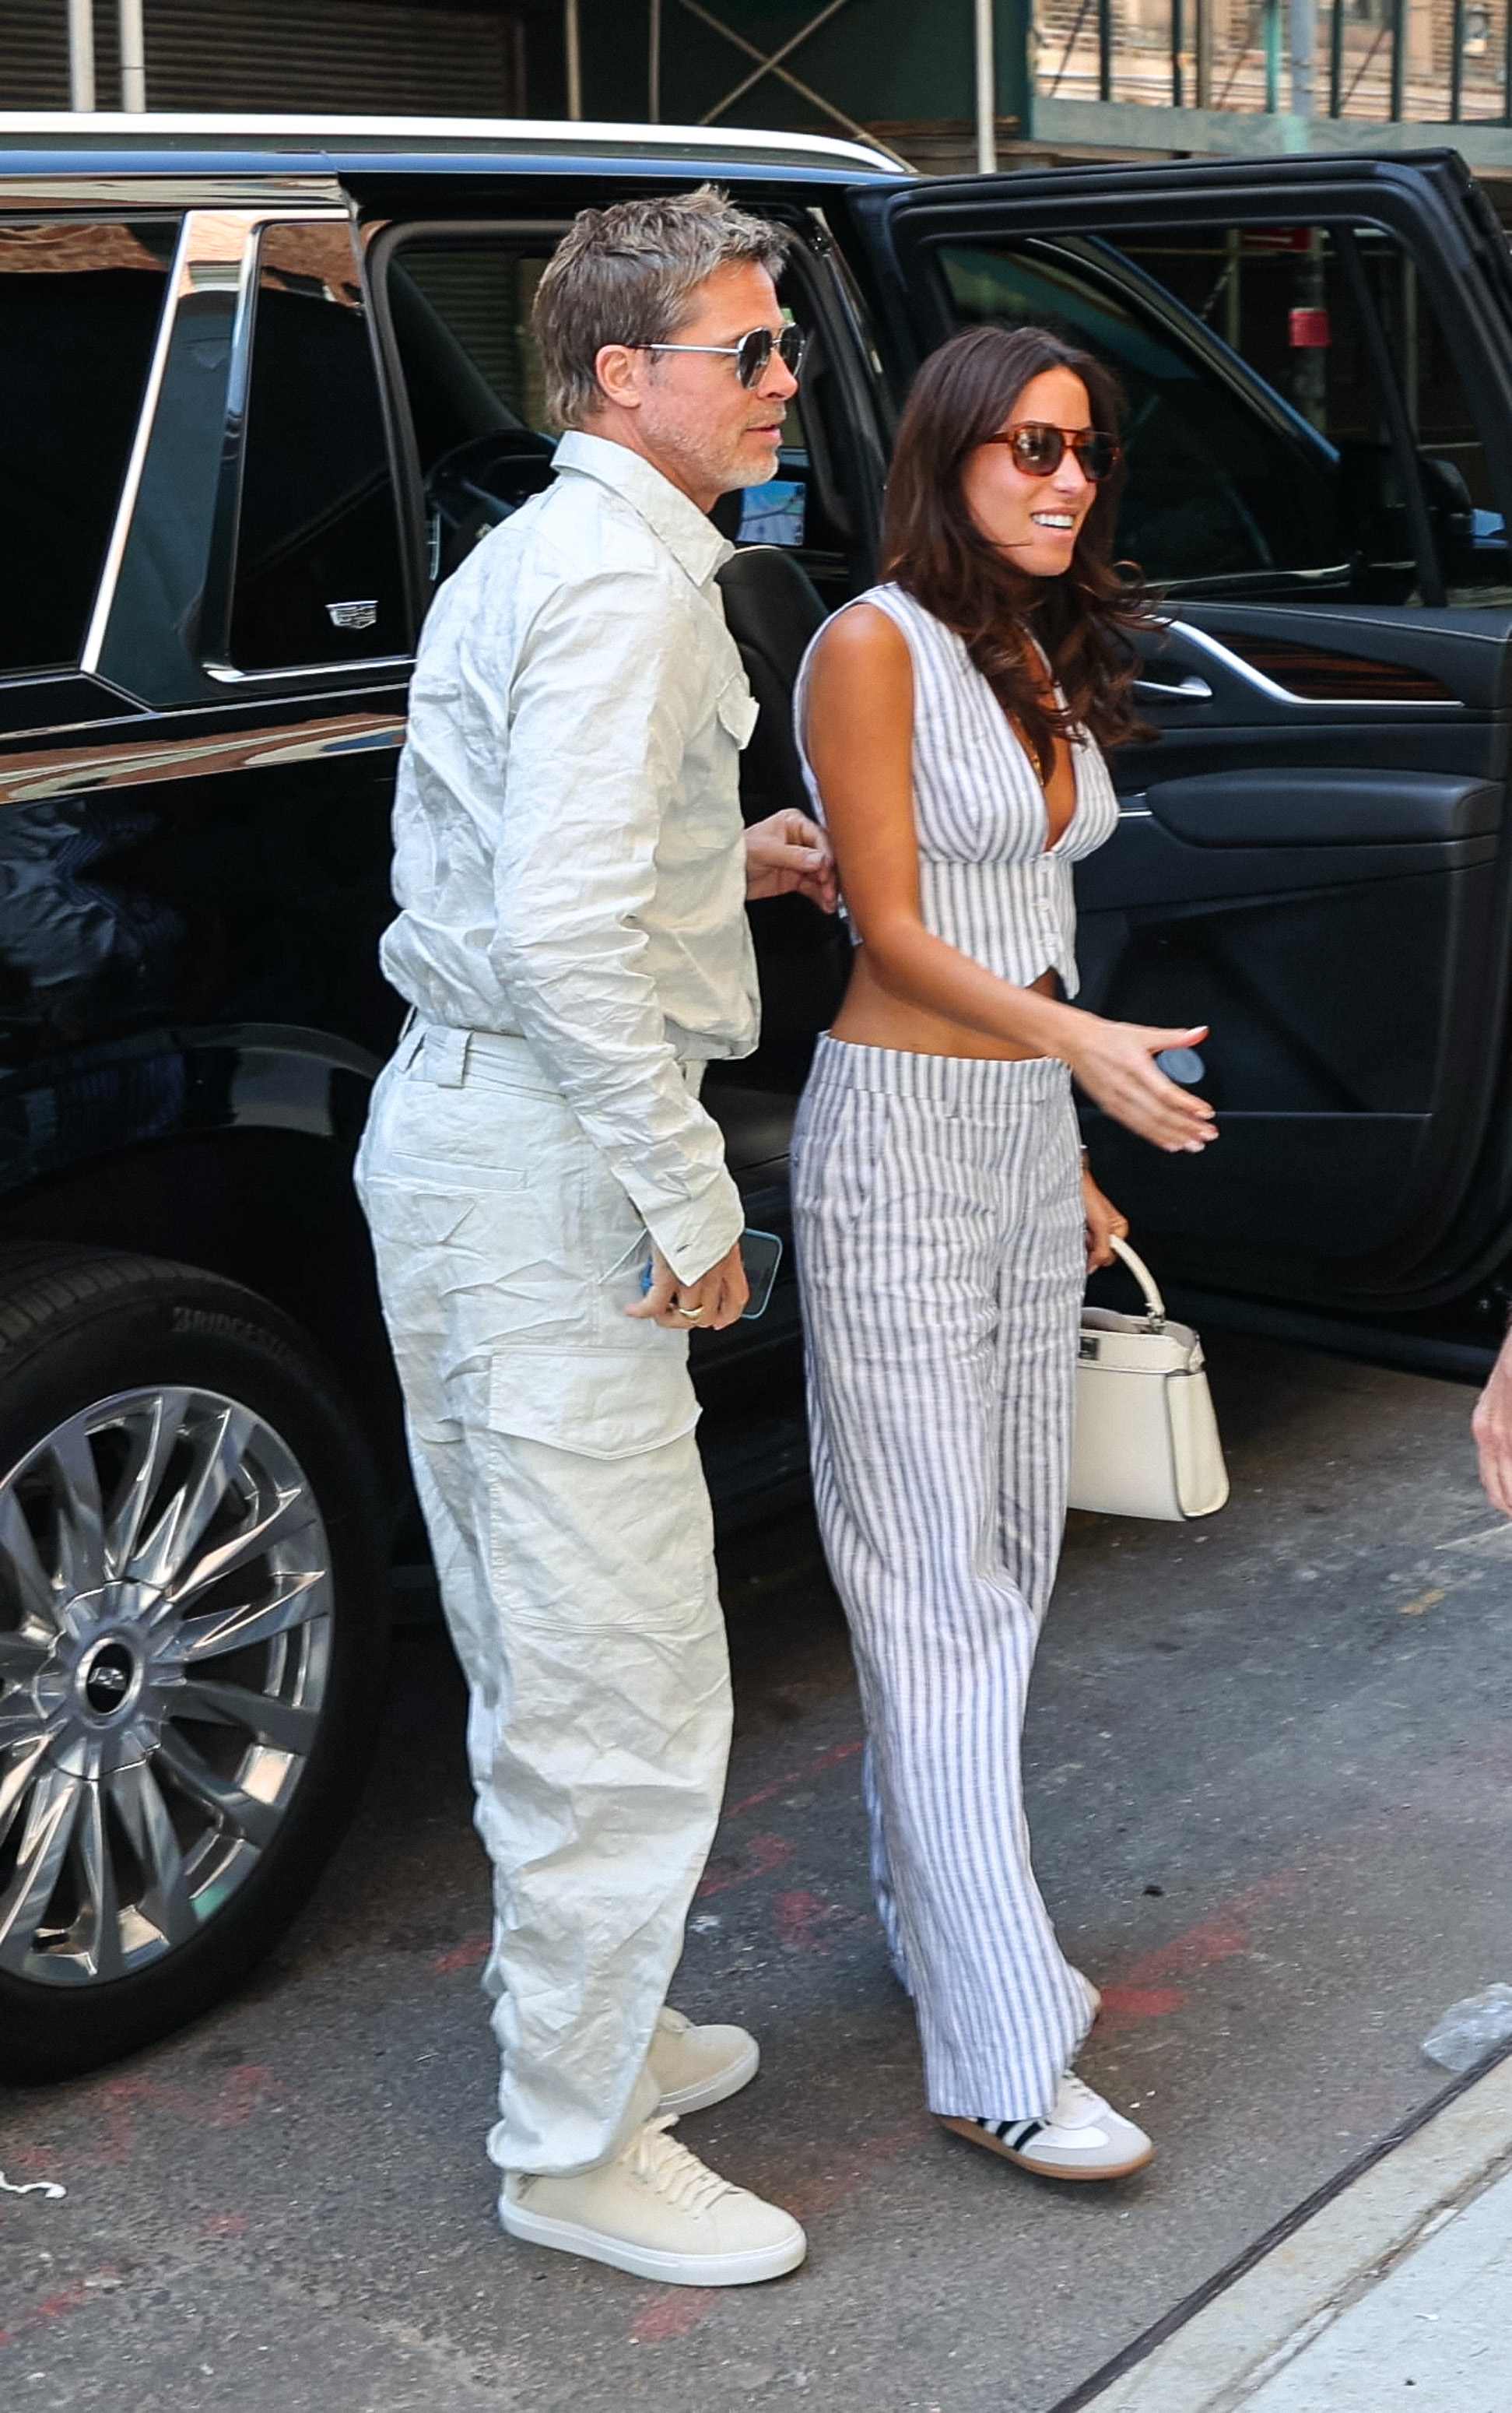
(100, 1337)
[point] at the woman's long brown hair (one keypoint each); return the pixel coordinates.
(932, 548)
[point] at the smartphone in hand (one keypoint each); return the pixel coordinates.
(761, 1254)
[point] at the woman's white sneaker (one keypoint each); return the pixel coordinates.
(1082, 2138)
(696, 2066)
(658, 2213)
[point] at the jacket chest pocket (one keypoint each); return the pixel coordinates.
(707, 819)
(738, 710)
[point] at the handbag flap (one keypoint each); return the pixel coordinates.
(1125, 1343)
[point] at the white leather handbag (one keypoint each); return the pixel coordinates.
(1146, 1437)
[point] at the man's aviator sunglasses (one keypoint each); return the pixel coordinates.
(752, 355)
(1038, 450)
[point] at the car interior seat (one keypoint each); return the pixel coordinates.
(772, 609)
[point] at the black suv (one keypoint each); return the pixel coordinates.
(264, 384)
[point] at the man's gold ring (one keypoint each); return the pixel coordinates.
(692, 1313)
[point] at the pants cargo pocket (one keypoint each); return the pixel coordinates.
(605, 1518)
(594, 1403)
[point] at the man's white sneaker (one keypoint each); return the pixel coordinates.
(697, 2066)
(656, 2212)
(1083, 2137)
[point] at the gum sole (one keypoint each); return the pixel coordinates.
(717, 2090)
(975, 2136)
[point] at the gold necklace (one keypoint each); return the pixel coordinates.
(1031, 748)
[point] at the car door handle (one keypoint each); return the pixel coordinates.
(1189, 688)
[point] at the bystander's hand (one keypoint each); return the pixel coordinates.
(1492, 1425)
(787, 855)
(707, 1305)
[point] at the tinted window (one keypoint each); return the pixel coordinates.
(462, 314)
(318, 573)
(79, 307)
(1260, 366)
(460, 309)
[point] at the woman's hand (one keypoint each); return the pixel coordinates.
(1103, 1222)
(709, 1303)
(1114, 1063)
(1492, 1425)
(786, 853)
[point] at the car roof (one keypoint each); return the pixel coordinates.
(82, 141)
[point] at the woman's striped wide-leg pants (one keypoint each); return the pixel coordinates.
(939, 1225)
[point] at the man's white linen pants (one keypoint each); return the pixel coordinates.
(937, 1208)
(553, 1444)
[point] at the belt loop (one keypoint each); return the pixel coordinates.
(446, 1055)
(410, 1041)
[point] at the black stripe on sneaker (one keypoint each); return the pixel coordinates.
(1025, 2135)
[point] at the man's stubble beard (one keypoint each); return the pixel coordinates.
(701, 469)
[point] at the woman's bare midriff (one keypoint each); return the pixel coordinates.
(871, 1017)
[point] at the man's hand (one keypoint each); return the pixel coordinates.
(1492, 1425)
(707, 1305)
(789, 854)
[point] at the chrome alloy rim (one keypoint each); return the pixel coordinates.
(165, 1644)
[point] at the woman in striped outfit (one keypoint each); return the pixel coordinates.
(950, 722)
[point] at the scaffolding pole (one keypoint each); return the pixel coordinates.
(81, 54)
(133, 58)
(572, 40)
(1304, 41)
(986, 92)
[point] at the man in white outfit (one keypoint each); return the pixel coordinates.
(572, 874)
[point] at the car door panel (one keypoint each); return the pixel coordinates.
(1312, 853)
(1330, 1012)
(1316, 807)
(1150, 865)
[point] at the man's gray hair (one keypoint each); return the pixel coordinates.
(626, 275)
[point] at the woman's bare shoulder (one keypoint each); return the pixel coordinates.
(861, 639)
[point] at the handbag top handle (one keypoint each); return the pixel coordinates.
(1154, 1303)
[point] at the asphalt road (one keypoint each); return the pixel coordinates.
(1268, 1762)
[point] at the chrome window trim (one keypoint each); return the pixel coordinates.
(220, 569)
(224, 676)
(187, 276)
(1260, 684)
(94, 645)
(221, 573)
(85, 191)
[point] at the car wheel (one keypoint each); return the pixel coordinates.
(192, 1627)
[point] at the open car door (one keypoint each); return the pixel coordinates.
(1313, 848)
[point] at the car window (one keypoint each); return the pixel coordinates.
(1269, 373)
(461, 312)
(317, 567)
(459, 307)
(79, 306)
